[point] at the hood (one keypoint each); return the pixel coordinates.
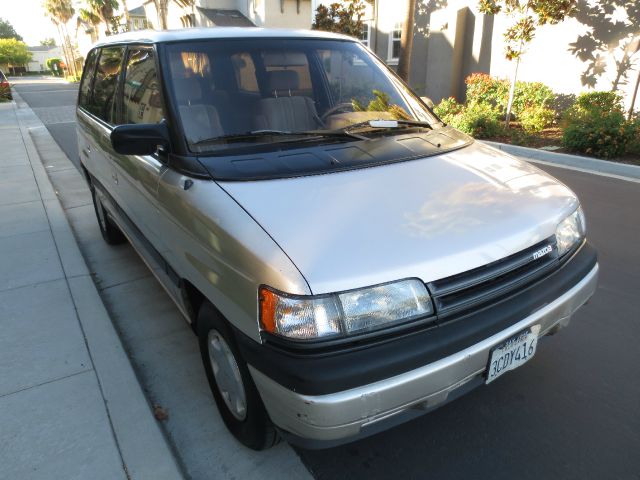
(428, 218)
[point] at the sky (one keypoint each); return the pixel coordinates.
(29, 19)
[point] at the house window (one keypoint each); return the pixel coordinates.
(365, 36)
(395, 38)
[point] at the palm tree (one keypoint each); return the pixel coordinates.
(105, 10)
(161, 10)
(91, 20)
(127, 18)
(60, 12)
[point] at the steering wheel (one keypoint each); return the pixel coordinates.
(335, 109)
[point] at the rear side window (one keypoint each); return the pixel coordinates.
(142, 95)
(245, 72)
(102, 102)
(87, 77)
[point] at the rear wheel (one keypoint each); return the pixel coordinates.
(236, 396)
(109, 230)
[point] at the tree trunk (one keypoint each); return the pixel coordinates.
(512, 92)
(635, 95)
(127, 18)
(512, 88)
(406, 42)
(161, 11)
(72, 68)
(64, 45)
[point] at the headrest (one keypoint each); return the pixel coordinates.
(187, 90)
(279, 80)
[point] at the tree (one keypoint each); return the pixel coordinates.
(406, 41)
(60, 12)
(340, 18)
(48, 42)
(7, 30)
(526, 16)
(90, 21)
(105, 9)
(13, 52)
(127, 18)
(161, 10)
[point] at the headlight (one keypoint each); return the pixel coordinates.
(570, 231)
(307, 317)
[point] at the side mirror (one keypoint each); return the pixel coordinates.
(428, 102)
(139, 139)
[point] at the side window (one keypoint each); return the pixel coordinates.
(245, 72)
(104, 86)
(87, 77)
(142, 95)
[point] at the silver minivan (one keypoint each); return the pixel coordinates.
(348, 261)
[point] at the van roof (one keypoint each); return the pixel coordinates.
(159, 36)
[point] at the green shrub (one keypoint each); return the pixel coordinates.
(530, 95)
(599, 102)
(478, 120)
(483, 88)
(448, 108)
(54, 64)
(534, 119)
(633, 147)
(5, 93)
(596, 125)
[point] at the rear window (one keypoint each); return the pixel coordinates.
(102, 100)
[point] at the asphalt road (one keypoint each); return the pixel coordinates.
(54, 102)
(572, 412)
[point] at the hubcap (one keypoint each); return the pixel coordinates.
(227, 375)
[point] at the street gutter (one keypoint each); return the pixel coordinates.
(620, 171)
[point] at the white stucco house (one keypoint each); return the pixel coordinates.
(40, 54)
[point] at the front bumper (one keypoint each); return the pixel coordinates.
(329, 419)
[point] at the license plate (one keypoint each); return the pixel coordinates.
(514, 352)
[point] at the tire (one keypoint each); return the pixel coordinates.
(251, 425)
(109, 230)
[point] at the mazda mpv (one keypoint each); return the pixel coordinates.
(347, 261)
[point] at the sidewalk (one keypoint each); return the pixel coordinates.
(70, 403)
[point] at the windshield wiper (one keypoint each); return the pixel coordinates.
(279, 133)
(383, 124)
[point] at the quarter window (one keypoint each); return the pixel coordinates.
(142, 95)
(87, 77)
(104, 86)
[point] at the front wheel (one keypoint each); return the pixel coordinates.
(109, 230)
(236, 396)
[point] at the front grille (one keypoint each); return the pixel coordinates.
(472, 288)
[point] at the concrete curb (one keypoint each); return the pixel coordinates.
(145, 451)
(575, 162)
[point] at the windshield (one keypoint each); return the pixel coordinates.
(226, 88)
